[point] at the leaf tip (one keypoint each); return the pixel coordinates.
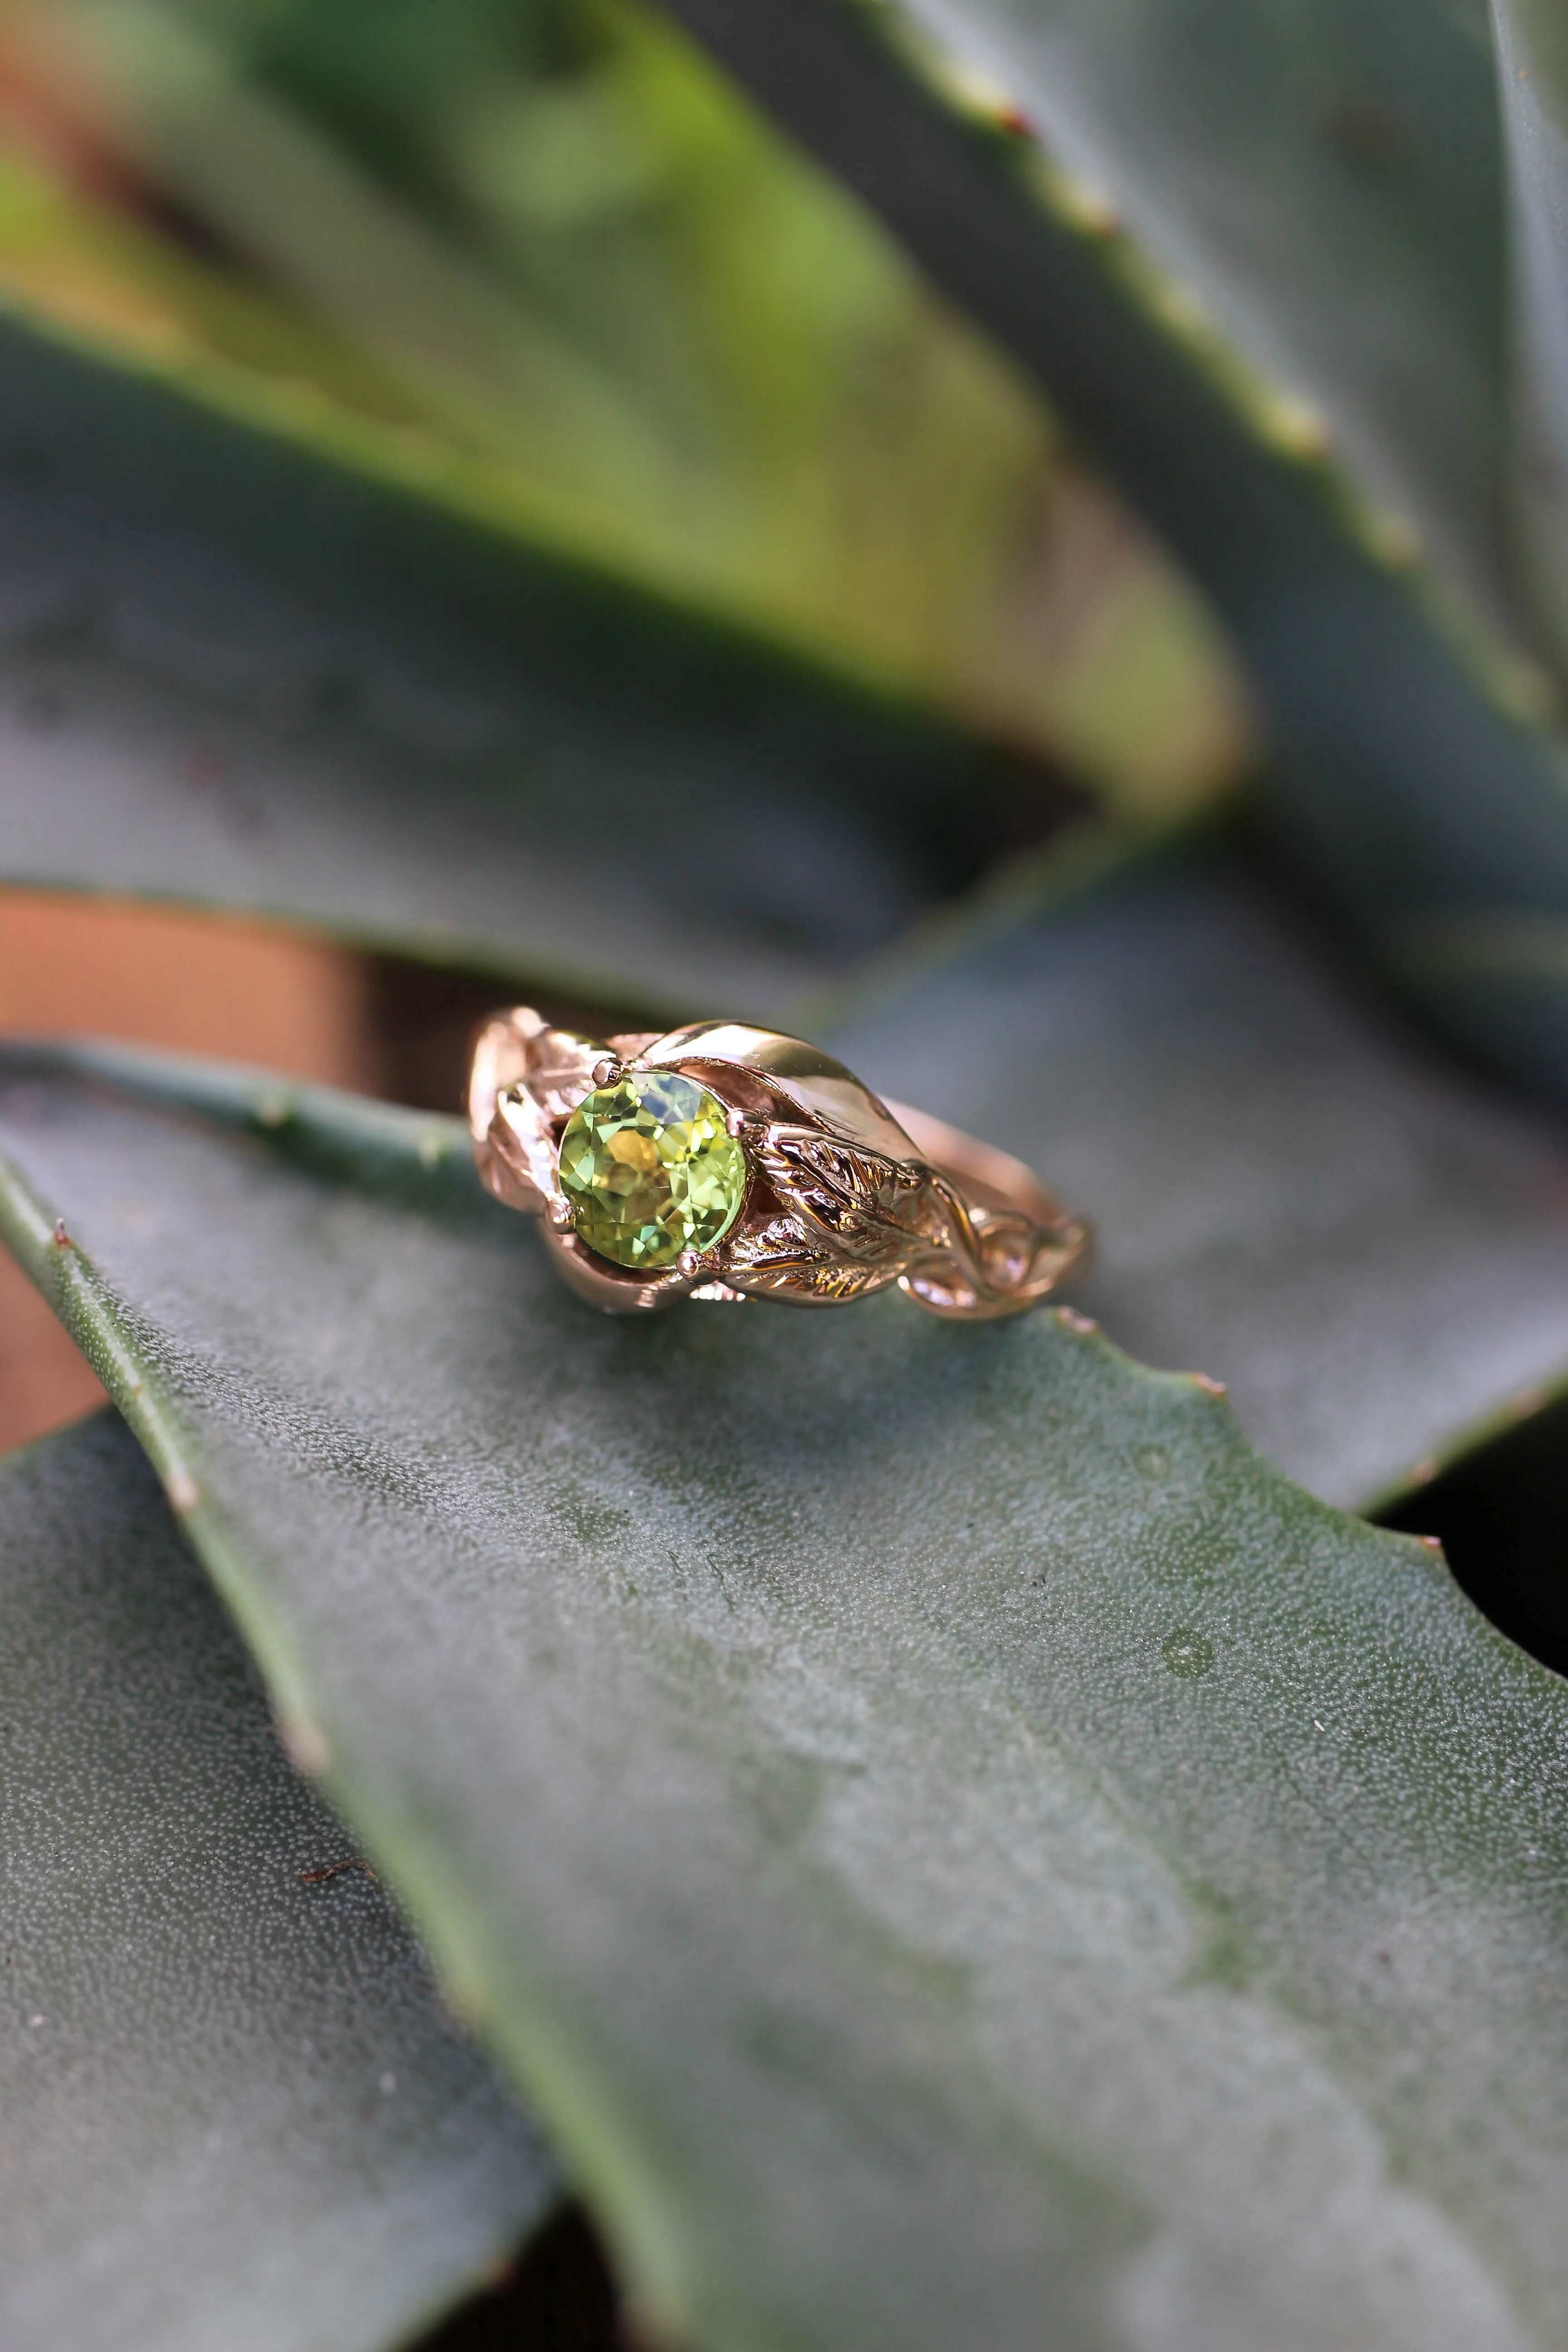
(1071, 1320)
(1209, 1385)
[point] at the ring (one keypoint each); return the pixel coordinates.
(723, 1162)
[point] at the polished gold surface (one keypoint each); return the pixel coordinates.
(845, 1196)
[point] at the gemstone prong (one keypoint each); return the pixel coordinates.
(607, 1070)
(688, 1262)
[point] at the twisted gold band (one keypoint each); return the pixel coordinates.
(722, 1162)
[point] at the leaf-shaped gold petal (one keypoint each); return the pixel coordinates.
(867, 1203)
(525, 1078)
(785, 1256)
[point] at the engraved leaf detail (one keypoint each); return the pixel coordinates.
(867, 1203)
(526, 1077)
(784, 1255)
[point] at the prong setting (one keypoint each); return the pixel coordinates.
(639, 1169)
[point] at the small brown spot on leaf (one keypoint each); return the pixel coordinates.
(336, 1869)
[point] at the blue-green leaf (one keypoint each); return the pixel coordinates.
(231, 2110)
(1258, 257)
(1532, 90)
(1367, 1244)
(232, 672)
(959, 1850)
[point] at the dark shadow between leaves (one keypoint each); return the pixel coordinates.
(1501, 1516)
(560, 2297)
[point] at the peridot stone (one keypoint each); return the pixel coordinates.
(650, 1169)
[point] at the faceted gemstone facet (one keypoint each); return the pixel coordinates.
(650, 1169)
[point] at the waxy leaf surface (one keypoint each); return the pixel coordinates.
(231, 2110)
(1292, 1193)
(1533, 91)
(959, 1849)
(1258, 259)
(233, 673)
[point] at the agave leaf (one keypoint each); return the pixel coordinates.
(959, 1848)
(1367, 1244)
(1257, 257)
(231, 2110)
(232, 672)
(1533, 84)
(551, 264)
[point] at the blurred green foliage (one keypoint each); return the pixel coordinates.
(594, 298)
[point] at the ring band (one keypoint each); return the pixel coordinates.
(725, 1162)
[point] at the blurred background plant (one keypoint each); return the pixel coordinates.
(539, 259)
(543, 260)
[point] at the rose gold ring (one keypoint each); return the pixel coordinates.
(725, 1162)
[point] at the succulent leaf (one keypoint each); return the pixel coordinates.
(231, 2109)
(544, 265)
(236, 672)
(1256, 257)
(1369, 1248)
(1532, 88)
(954, 1842)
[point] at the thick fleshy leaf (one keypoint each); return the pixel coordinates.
(231, 2109)
(961, 1850)
(1368, 1244)
(1257, 257)
(559, 254)
(1532, 88)
(236, 672)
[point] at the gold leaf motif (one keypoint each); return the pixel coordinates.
(525, 1078)
(867, 1204)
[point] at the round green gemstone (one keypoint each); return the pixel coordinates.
(650, 1169)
